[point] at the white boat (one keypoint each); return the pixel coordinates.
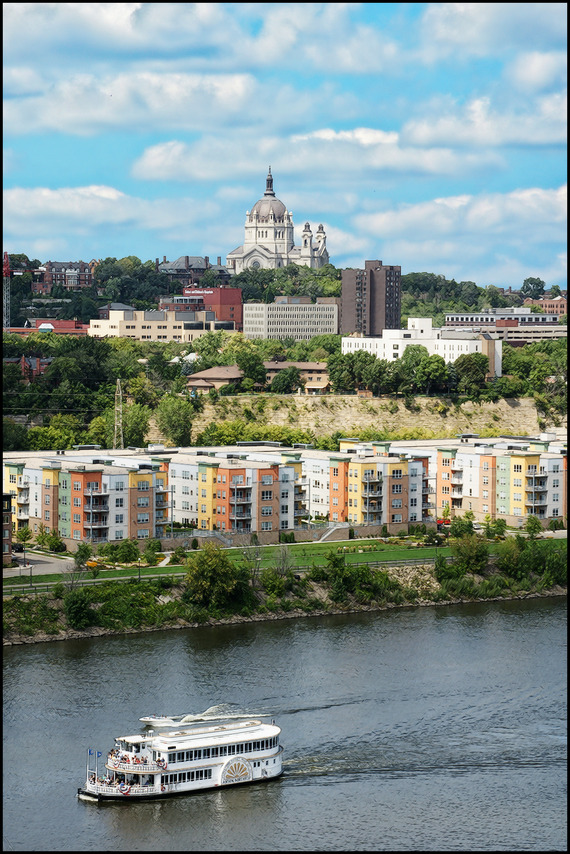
(195, 758)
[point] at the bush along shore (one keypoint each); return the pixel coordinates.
(215, 590)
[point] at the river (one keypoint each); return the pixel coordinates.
(416, 729)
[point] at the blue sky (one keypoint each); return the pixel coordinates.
(429, 135)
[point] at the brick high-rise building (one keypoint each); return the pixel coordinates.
(370, 299)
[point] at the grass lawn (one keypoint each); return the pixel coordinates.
(302, 555)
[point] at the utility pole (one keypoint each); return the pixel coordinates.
(6, 294)
(118, 440)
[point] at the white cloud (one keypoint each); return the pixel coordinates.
(541, 213)
(357, 155)
(536, 71)
(483, 29)
(478, 124)
(77, 209)
(85, 104)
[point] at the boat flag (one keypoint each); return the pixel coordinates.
(99, 754)
(91, 752)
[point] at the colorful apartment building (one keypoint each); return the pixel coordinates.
(94, 496)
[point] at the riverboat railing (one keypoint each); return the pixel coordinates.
(136, 767)
(104, 789)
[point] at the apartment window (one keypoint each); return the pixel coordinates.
(266, 494)
(517, 467)
(396, 487)
(446, 461)
(77, 518)
(119, 502)
(46, 515)
(143, 502)
(445, 490)
(267, 511)
(77, 501)
(47, 499)
(335, 472)
(266, 526)
(413, 502)
(142, 485)
(396, 517)
(77, 485)
(142, 534)
(397, 473)
(485, 466)
(485, 481)
(142, 517)
(397, 502)
(119, 518)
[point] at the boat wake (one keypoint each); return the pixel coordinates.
(222, 711)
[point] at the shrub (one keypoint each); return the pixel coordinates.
(272, 582)
(76, 608)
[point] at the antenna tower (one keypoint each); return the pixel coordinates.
(6, 294)
(118, 441)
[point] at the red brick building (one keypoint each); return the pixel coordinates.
(226, 303)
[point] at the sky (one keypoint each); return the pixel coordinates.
(426, 135)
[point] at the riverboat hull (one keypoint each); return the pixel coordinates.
(195, 759)
(90, 797)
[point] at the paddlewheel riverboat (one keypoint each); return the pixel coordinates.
(202, 756)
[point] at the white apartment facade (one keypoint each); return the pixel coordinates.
(450, 344)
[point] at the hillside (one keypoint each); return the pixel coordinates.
(323, 416)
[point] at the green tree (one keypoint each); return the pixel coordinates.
(471, 369)
(471, 553)
(286, 381)
(532, 288)
(533, 527)
(82, 555)
(460, 527)
(174, 419)
(214, 581)
(128, 551)
(251, 364)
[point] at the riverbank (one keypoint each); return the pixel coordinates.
(329, 608)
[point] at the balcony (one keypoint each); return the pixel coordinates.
(372, 477)
(102, 491)
(535, 487)
(457, 479)
(23, 497)
(240, 514)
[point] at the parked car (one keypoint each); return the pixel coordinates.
(17, 547)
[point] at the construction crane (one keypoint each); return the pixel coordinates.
(118, 441)
(6, 294)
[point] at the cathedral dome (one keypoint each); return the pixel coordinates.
(269, 204)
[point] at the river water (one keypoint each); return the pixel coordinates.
(422, 729)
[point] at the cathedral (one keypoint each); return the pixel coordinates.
(269, 239)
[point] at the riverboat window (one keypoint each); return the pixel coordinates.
(223, 750)
(231, 749)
